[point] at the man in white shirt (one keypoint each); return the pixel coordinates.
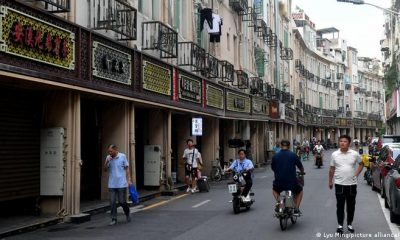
(191, 156)
(346, 165)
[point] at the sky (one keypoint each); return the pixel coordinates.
(360, 25)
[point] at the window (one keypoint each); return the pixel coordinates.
(228, 40)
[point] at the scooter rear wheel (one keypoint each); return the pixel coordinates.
(293, 219)
(283, 223)
(236, 205)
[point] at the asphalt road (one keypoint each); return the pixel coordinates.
(209, 216)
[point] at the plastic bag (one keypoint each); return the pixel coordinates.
(133, 194)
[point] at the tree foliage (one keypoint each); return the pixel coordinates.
(391, 79)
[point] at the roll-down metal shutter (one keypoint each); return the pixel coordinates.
(19, 145)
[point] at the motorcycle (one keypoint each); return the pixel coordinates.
(235, 188)
(368, 172)
(318, 158)
(286, 205)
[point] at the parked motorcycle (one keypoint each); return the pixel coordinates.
(286, 205)
(368, 172)
(235, 188)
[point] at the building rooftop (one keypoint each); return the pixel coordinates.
(327, 30)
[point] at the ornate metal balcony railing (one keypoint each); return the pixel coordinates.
(158, 37)
(227, 71)
(271, 39)
(286, 54)
(340, 93)
(336, 85)
(191, 55)
(242, 80)
(339, 75)
(267, 90)
(117, 16)
(256, 86)
(212, 67)
(262, 28)
(349, 114)
(53, 6)
(239, 6)
(297, 64)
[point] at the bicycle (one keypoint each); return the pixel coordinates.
(217, 173)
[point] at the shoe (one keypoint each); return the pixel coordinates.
(128, 218)
(247, 199)
(340, 230)
(113, 222)
(196, 190)
(297, 211)
(230, 201)
(277, 207)
(350, 228)
(188, 189)
(243, 198)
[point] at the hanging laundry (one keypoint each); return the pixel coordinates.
(215, 32)
(206, 15)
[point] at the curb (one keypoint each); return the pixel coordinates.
(57, 220)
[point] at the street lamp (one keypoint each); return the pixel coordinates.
(360, 2)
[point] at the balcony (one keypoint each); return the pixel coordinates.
(192, 56)
(375, 94)
(212, 68)
(242, 80)
(349, 114)
(262, 29)
(267, 90)
(297, 64)
(286, 54)
(117, 16)
(356, 90)
(271, 39)
(158, 37)
(275, 94)
(310, 76)
(340, 109)
(256, 86)
(239, 6)
(368, 94)
(329, 84)
(336, 85)
(385, 45)
(347, 86)
(53, 6)
(339, 75)
(227, 71)
(340, 93)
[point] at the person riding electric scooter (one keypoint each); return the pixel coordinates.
(319, 157)
(284, 166)
(245, 167)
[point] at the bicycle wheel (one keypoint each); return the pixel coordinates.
(216, 175)
(283, 223)
(293, 219)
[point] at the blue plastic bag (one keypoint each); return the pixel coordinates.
(133, 194)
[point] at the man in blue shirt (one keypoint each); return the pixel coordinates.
(284, 166)
(244, 165)
(119, 177)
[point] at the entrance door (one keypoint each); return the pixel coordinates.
(90, 150)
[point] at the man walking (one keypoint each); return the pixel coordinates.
(119, 177)
(345, 167)
(191, 156)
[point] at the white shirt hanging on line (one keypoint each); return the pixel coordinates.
(216, 24)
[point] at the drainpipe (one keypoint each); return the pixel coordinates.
(277, 63)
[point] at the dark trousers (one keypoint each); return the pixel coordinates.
(247, 187)
(118, 195)
(345, 195)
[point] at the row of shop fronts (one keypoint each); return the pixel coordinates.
(64, 84)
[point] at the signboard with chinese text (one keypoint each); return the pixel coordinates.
(29, 37)
(189, 89)
(111, 64)
(215, 97)
(237, 103)
(197, 126)
(156, 78)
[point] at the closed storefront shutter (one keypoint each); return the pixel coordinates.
(19, 145)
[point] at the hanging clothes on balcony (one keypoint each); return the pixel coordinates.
(215, 32)
(206, 14)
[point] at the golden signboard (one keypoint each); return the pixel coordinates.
(156, 78)
(215, 97)
(237, 103)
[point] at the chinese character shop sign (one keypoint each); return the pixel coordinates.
(190, 89)
(156, 78)
(28, 37)
(111, 64)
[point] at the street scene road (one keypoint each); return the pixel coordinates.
(210, 216)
